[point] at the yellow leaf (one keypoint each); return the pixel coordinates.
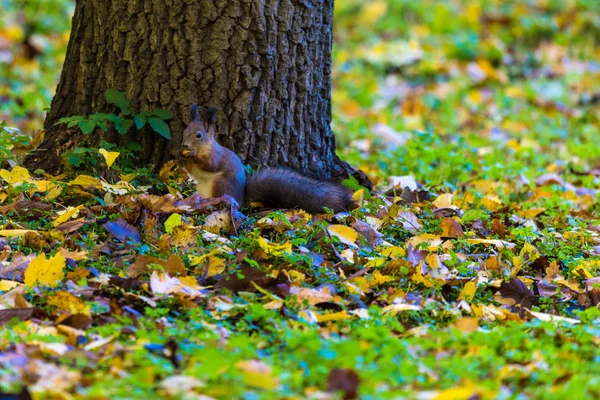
(491, 202)
(14, 232)
(109, 156)
(468, 291)
(333, 316)
(16, 175)
(67, 302)
(395, 252)
(372, 11)
(346, 234)
(86, 181)
(128, 177)
(6, 285)
(443, 200)
(257, 374)
(45, 272)
(463, 393)
(467, 324)
(66, 215)
(216, 266)
(529, 253)
(418, 277)
(274, 249)
(171, 222)
(54, 190)
(296, 276)
(582, 271)
(377, 278)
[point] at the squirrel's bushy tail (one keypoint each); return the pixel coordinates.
(280, 187)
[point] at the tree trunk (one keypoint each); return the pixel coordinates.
(265, 65)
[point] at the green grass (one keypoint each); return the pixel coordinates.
(483, 99)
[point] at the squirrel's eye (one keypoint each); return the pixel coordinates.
(199, 134)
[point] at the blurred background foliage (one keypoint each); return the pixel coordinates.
(447, 91)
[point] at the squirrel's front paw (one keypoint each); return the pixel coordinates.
(188, 154)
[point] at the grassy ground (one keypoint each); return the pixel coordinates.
(488, 289)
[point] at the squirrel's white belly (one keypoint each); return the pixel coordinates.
(205, 183)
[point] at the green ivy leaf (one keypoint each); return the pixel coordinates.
(127, 124)
(159, 126)
(103, 126)
(140, 121)
(159, 112)
(119, 99)
(134, 146)
(100, 117)
(87, 126)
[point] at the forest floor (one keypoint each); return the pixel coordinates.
(481, 280)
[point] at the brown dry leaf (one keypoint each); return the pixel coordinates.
(346, 381)
(34, 240)
(170, 172)
(518, 292)
(172, 265)
(451, 228)
(78, 274)
(73, 255)
(71, 226)
(22, 314)
(499, 228)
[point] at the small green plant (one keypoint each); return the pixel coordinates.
(92, 156)
(9, 138)
(125, 120)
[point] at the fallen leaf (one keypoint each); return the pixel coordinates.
(66, 215)
(65, 301)
(342, 380)
(172, 265)
(109, 156)
(173, 221)
(45, 272)
(451, 228)
(122, 230)
(272, 248)
(257, 374)
(346, 234)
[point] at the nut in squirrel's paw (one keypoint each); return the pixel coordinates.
(188, 153)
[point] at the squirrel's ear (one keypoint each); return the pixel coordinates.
(194, 110)
(211, 115)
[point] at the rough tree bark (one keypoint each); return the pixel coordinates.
(265, 64)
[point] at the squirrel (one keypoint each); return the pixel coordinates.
(219, 171)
